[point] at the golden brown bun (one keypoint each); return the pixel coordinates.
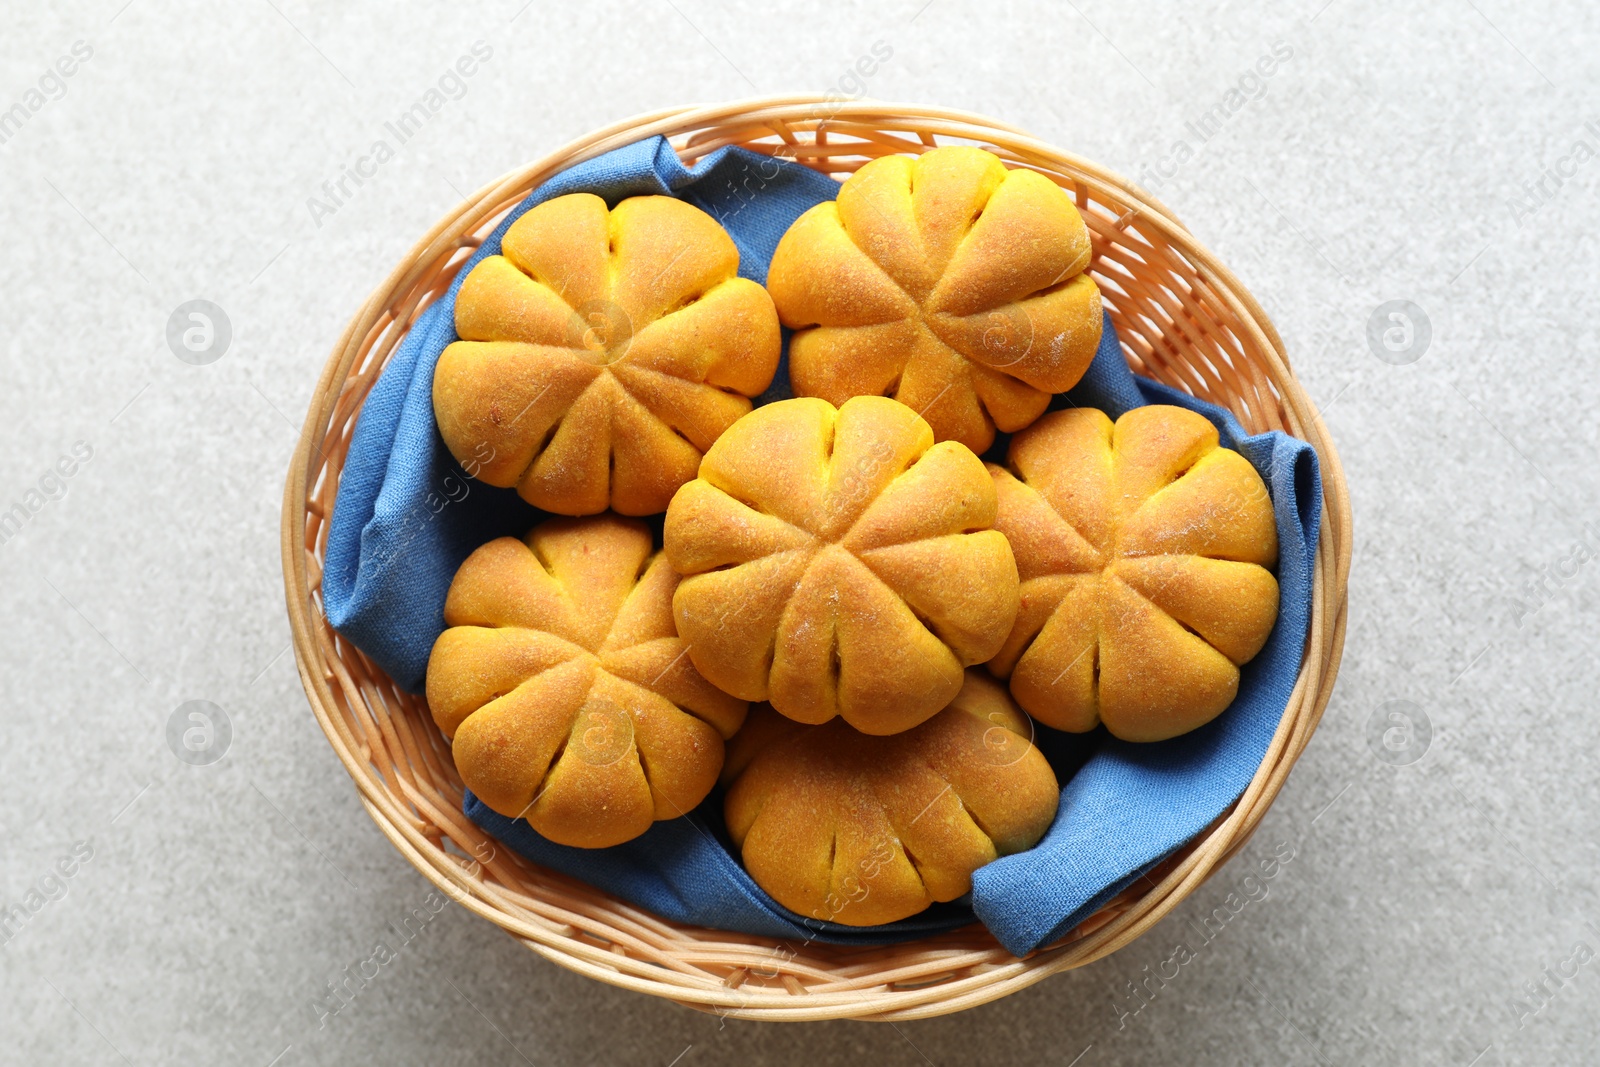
(601, 353)
(945, 281)
(861, 830)
(840, 563)
(565, 690)
(1143, 549)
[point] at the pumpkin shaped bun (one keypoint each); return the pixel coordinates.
(1143, 549)
(948, 282)
(564, 689)
(601, 353)
(862, 830)
(839, 562)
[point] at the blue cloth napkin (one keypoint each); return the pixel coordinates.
(406, 516)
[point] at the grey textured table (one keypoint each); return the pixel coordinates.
(1440, 906)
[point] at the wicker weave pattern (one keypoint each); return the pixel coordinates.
(1183, 320)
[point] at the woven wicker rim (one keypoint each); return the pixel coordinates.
(1183, 319)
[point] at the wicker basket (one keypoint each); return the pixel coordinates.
(1183, 319)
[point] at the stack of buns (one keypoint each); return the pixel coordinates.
(851, 622)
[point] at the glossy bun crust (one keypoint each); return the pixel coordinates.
(566, 691)
(601, 353)
(945, 281)
(1143, 549)
(860, 830)
(840, 563)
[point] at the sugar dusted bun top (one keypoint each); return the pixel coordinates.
(840, 563)
(564, 687)
(840, 826)
(601, 354)
(946, 281)
(1143, 548)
